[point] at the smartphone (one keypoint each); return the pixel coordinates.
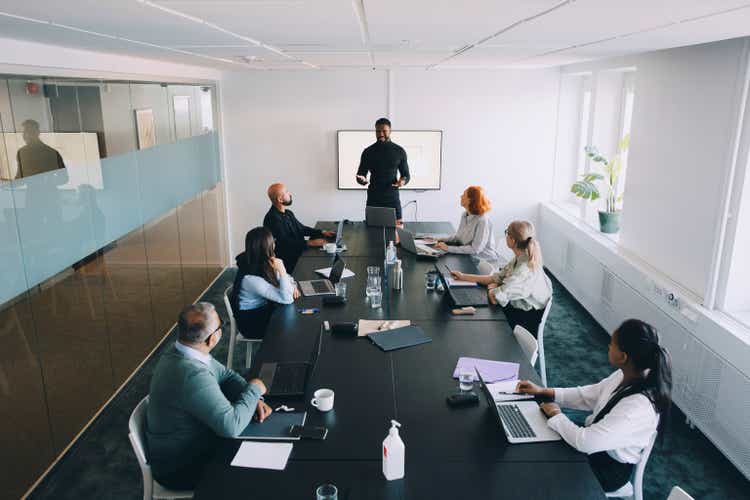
(308, 431)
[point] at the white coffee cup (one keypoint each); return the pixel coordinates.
(323, 399)
(330, 247)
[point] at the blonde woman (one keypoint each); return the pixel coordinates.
(521, 288)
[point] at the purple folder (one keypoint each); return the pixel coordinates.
(492, 371)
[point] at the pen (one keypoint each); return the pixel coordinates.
(312, 310)
(383, 325)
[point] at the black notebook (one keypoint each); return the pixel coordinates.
(275, 427)
(399, 338)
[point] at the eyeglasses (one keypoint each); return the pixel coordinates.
(220, 327)
(506, 232)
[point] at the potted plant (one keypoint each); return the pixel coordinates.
(610, 170)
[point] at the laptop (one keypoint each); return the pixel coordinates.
(380, 216)
(463, 296)
(420, 249)
(290, 379)
(522, 421)
(314, 288)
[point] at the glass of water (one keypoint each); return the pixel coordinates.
(340, 289)
(466, 379)
(327, 492)
(373, 271)
(430, 279)
(373, 285)
(376, 299)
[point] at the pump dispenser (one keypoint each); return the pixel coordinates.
(394, 452)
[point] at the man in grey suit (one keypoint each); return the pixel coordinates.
(194, 400)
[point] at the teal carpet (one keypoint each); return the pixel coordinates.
(101, 464)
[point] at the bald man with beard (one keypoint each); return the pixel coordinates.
(288, 232)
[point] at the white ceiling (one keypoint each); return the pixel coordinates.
(310, 34)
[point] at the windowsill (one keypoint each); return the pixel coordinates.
(742, 317)
(573, 211)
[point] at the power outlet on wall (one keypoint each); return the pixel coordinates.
(668, 296)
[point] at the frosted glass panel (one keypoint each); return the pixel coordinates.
(13, 280)
(171, 174)
(118, 202)
(54, 223)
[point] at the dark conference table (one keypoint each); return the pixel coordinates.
(450, 452)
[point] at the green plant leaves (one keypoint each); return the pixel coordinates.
(585, 189)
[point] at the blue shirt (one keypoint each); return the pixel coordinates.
(256, 292)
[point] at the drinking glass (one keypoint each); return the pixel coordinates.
(373, 285)
(466, 379)
(376, 299)
(430, 279)
(327, 492)
(340, 289)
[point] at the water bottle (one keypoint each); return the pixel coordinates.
(398, 275)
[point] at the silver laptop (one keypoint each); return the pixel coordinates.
(313, 288)
(407, 243)
(380, 216)
(340, 245)
(522, 421)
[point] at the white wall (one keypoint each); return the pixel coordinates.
(499, 132)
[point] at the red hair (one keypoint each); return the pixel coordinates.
(478, 202)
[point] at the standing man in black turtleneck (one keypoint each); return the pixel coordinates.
(385, 161)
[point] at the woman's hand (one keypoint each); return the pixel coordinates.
(492, 286)
(527, 387)
(441, 245)
(550, 409)
(295, 293)
(457, 275)
(278, 265)
(491, 296)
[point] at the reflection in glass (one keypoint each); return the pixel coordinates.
(24, 427)
(164, 269)
(192, 248)
(68, 311)
(127, 302)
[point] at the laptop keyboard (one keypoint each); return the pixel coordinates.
(515, 422)
(320, 286)
(469, 296)
(289, 379)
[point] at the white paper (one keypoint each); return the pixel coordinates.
(255, 455)
(326, 272)
(500, 391)
(458, 283)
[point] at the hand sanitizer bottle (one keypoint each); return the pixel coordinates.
(390, 253)
(394, 451)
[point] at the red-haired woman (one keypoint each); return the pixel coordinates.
(475, 235)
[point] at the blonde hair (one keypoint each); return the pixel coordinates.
(524, 236)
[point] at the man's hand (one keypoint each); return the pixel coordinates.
(362, 180)
(262, 411)
(550, 409)
(399, 183)
(260, 384)
(527, 387)
(329, 234)
(317, 242)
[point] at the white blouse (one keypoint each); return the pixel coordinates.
(524, 288)
(623, 433)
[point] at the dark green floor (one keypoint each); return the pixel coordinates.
(102, 465)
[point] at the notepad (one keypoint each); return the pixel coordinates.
(454, 283)
(275, 427)
(492, 371)
(399, 338)
(256, 455)
(368, 326)
(326, 273)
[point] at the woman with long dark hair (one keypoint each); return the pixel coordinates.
(627, 407)
(261, 282)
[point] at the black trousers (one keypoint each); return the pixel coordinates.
(389, 199)
(252, 323)
(612, 475)
(527, 319)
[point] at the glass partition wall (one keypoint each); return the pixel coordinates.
(111, 219)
